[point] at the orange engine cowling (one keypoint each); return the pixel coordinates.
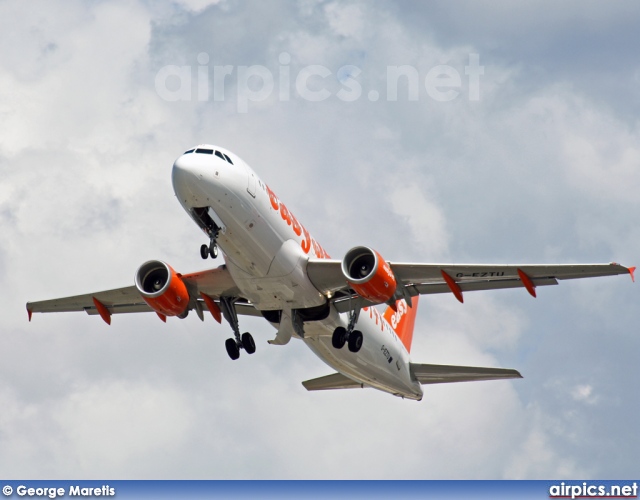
(369, 274)
(162, 288)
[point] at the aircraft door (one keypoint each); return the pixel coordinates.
(251, 187)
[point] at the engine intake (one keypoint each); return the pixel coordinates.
(162, 288)
(369, 274)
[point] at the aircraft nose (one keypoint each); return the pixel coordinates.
(182, 168)
(184, 176)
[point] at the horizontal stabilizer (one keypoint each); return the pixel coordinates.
(333, 381)
(443, 374)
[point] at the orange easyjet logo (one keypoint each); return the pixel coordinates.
(401, 307)
(308, 242)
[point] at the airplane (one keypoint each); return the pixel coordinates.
(274, 268)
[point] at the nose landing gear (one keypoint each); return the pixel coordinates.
(209, 250)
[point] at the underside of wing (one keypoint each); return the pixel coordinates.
(213, 282)
(333, 381)
(444, 374)
(118, 300)
(419, 279)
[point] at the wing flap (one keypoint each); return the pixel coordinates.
(444, 374)
(333, 381)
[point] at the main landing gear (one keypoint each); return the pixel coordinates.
(244, 341)
(209, 250)
(349, 335)
(341, 337)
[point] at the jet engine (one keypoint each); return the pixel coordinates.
(369, 274)
(162, 288)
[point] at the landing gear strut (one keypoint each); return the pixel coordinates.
(244, 341)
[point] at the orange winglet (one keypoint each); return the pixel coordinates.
(161, 316)
(632, 271)
(213, 307)
(453, 286)
(29, 312)
(528, 284)
(103, 311)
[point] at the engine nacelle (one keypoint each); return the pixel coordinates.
(162, 288)
(369, 274)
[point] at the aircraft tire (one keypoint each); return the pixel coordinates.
(232, 349)
(213, 250)
(339, 338)
(355, 341)
(204, 251)
(248, 343)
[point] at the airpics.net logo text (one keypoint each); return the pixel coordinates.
(588, 490)
(314, 83)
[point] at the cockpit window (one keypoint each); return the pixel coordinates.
(204, 151)
(219, 154)
(190, 151)
(228, 159)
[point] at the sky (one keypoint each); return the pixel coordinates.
(531, 157)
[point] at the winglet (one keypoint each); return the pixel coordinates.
(213, 307)
(632, 271)
(528, 284)
(453, 286)
(162, 316)
(30, 313)
(103, 311)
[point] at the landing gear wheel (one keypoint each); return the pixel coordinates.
(339, 338)
(355, 341)
(213, 250)
(232, 349)
(204, 251)
(248, 343)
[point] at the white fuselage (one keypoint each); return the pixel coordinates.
(266, 250)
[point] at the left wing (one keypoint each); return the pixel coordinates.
(333, 381)
(212, 282)
(443, 374)
(419, 279)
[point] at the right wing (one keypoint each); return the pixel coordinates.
(212, 282)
